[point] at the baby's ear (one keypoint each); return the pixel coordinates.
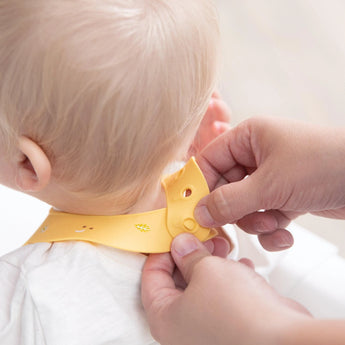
(215, 122)
(33, 168)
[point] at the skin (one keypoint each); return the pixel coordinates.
(292, 168)
(225, 302)
(204, 313)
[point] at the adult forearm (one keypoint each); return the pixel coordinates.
(315, 332)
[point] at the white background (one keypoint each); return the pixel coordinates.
(287, 58)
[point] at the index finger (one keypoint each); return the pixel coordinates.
(229, 158)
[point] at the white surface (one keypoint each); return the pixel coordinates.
(72, 293)
(287, 58)
(312, 273)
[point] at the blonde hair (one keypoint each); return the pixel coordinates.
(112, 90)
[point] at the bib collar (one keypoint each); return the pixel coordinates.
(148, 232)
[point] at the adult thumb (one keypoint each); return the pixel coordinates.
(230, 202)
(187, 251)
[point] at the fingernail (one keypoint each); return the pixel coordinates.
(218, 125)
(261, 228)
(285, 241)
(283, 244)
(185, 244)
(266, 226)
(203, 216)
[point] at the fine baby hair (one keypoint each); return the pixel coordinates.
(111, 90)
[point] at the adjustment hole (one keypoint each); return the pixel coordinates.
(187, 192)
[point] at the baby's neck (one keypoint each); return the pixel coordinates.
(70, 202)
(106, 205)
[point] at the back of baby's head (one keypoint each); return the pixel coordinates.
(112, 90)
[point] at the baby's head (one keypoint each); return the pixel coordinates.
(111, 90)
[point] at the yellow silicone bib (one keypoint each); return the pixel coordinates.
(149, 232)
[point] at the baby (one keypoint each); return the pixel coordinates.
(97, 97)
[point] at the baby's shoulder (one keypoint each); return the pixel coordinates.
(70, 255)
(73, 288)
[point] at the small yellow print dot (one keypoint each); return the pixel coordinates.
(44, 229)
(142, 227)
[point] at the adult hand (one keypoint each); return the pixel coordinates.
(293, 168)
(225, 302)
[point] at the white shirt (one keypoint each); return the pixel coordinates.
(311, 272)
(72, 293)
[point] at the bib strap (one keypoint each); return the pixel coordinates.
(149, 232)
